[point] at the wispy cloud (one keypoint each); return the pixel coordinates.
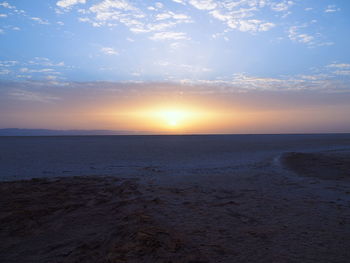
(295, 35)
(331, 9)
(342, 72)
(192, 35)
(42, 61)
(8, 63)
(332, 78)
(176, 16)
(69, 3)
(32, 96)
(183, 68)
(339, 65)
(281, 6)
(109, 51)
(157, 19)
(40, 67)
(179, 1)
(169, 36)
(203, 4)
(40, 20)
(305, 34)
(7, 5)
(5, 71)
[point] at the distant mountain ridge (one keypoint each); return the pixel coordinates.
(47, 132)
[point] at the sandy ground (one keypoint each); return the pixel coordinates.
(294, 208)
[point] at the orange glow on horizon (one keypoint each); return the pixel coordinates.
(173, 119)
(166, 113)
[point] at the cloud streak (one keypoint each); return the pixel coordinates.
(109, 51)
(69, 3)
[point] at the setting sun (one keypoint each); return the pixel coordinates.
(173, 118)
(176, 118)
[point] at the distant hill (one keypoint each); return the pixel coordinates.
(45, 132)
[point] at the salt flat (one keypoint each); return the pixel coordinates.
(239, 198)
(28, 157)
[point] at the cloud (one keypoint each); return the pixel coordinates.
(266, 26)
(3, 15)
(10, 27)
(240, 16)
(203, 4)
(159, 5)
(331, 9)
(7, 5)
(43, 70)
(326, 80)
(109, 51)
(102, 8)
(281, 6)
(40, 20)
(51, 77)
(299, 37)
(243, 15)
(5, 71)
(342, 72)
(69, 3)
(42, 61)
(31, 96)
(172, 15)
(12, 8)
(108, 13)
(183, 68)
(111, 13)
(8, 63)
(253, 25)
(168, 22)
(39, 67)
(317, 89)
(169, 36)
(298, 34)
(179, 1)
(339, 65)
(36, 103)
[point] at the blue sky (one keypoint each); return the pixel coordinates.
(193, 40)
(208, 46)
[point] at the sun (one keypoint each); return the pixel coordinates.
(173, 118)
(176, 119)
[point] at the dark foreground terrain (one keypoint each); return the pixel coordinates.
(257, 215)
(177, 199)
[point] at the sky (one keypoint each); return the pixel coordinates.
(176, 66)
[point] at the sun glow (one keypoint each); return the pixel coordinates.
(176, 119)
(173, 118)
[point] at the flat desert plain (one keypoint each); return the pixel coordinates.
(219, 198)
